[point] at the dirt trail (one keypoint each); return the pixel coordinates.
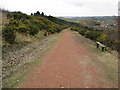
(68, 65)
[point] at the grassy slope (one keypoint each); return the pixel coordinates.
(109, 61)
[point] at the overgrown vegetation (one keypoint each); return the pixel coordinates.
(28, 25)
(96, 35)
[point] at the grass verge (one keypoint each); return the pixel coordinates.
(108, 60)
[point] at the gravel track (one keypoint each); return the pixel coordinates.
(68, 65)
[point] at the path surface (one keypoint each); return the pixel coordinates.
(68, 65)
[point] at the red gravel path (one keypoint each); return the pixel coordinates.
(68, 65)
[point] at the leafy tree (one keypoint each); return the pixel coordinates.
(42, 14)
(37, 13)
(31, 14)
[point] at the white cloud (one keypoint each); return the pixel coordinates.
(63, 7)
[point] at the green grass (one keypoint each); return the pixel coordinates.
(108, 60)
(111, 65)
(23, 37)
(95, 49)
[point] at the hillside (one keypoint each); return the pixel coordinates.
(27, 38)
(104, 26)
(26, 25)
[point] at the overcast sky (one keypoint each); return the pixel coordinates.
(64, 7)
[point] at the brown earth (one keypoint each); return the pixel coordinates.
(68, 65)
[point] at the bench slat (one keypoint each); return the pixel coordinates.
(100, 44)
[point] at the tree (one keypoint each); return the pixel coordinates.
(31, 14)
(37, 13)
(42, 14)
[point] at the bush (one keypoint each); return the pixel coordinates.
(26, 24)
(45, 33)
(82, 31)
(14, 23)
(103, 38)
(74, 29)
(22, 29)
(33, 30)
(92, 35)
(9, 35)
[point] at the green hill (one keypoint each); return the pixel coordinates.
(18, 23)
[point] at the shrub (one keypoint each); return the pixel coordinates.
(102, 38)
(45, 33)
(82, 31)
(92, 35)
(33, 30)
(9, 35)
(14, 23)
(22, 29)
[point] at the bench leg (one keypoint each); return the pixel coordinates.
(97, 45)
(103, 48)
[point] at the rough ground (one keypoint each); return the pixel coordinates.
(18, 58)
(68, 65)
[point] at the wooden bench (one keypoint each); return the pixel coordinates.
(98, 44)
